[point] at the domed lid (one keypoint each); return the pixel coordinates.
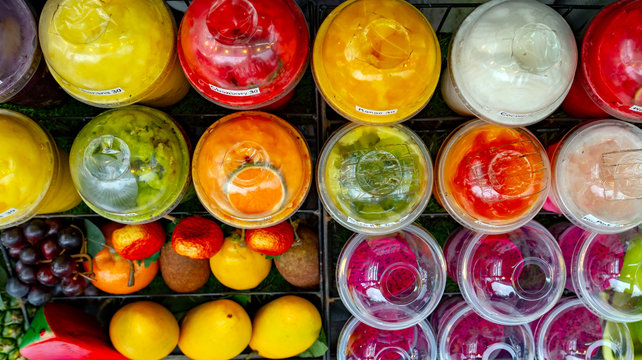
(571, 331)
(108, 53)
(359, 341)
(464, 335)
(614, 80)
(27, 166)
(491, 178)
(244, 54)
(392, 281)
(513, 61)
(252, 169)
(606, 270)
(19, 52)
(597, 176)
(374, 179)
(131, 165)
(512, 278)
(376, 61)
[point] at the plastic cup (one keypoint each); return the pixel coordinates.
(511, 278)
(376, 61)
(571, 331)
(245, 54)
(604, 271)
(464, 335)
(511, 62)
(374, 179)
(359, 341)
(23, 76)
(131, 165)
(491, 178)
(609, 78)
(34, 172)
(113, 53)
(597, 176)
(391, 281)
(252, 169)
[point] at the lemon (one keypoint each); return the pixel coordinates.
(144, 330)
(237, 266)
(285, 327)
(215, 330)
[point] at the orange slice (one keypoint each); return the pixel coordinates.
(256, 189)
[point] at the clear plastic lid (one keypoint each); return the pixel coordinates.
(512, 278)
(597, 176)
(109, 53)
(131, 165)
(464, 335)
(359, 341)
(491, 178)
(27, 167)
(252, 169)
(391, 281)
(614, 82)
(374, 179)
(571, 332)
(376, 61)
(244, 54)
(19, 52)
(511, 62)
(605, 271)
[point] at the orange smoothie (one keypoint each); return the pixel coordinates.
(252, 169)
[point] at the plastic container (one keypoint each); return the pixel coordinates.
(252, 169)
(24, 79)
(572, 332)
(464, 335)
(597, 176)
(244, 54)
(491, 178)
(511, 278)
(391, 281)
(604, 271)
(376, 61)
(131, 165)
(113, 53)
(359, 341)
(511, 62)
(609, 78)
(34, 172)
(374, 179)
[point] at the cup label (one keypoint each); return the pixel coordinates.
(593, 220)
(376, 112)
(239, 93)
(114, 91)
(9, 212)
(636, 108)
(511, 115)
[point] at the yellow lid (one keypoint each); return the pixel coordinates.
(376, 61)
(108, 52)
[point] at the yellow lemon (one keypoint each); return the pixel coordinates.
(285, 327)
(215, 330)
(237, 266)
(144, 330)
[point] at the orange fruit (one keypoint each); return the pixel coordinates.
(112, 273)
(256, 189)
(137, 242)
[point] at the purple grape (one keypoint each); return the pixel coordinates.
(16, 288)
(70, 239)
(28, 275)
(15, 252)
(49, 248)
(46, 277)
(29, 256)
(13, 238)
(57, 289)
(63, 266)
(55, 225)
(38, 296)
(19, 266)
(73, 287)
(35, 231)
(91, 290)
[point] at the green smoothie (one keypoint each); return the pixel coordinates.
(131, 165)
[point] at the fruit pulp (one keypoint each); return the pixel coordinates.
(572, 334)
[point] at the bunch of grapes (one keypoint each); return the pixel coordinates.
(47, 260)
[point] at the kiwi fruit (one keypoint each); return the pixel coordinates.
(300, 264)
(183, 274)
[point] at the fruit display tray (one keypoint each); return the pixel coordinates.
(311, 115)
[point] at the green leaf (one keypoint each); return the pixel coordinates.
(318, 348)
(270, 257)
(95, 238)
(169, 229)
(242, 299)
(149, 260)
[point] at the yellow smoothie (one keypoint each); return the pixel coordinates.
(34, 173)
(112, 53)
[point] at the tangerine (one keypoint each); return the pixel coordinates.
(111, 272)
